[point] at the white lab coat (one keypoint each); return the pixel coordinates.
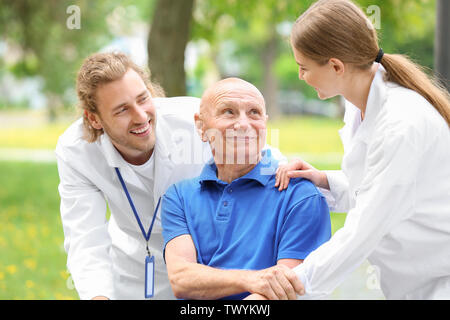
(108, 258)
(395, 186)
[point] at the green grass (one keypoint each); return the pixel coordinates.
(306, 134)
(30, 129)
(40, 137)
(32, 258)
(296, 134)
(33, 262)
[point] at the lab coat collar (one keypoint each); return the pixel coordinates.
(115, 160)
(376, 99)
(113, 157)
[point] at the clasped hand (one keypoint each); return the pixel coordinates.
(276, 283)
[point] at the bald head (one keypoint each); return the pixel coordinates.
(229, 90)
(233, 119)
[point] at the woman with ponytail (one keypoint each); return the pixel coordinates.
(395, 177)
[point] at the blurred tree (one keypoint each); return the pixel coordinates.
(442, 42)
(46, 47)
(247, 32)
(253, 34)
(245, 38)
(168, 37)
(44, 39)
(406, 27)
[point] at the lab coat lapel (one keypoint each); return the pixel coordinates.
(346, 133)
(375, 101)
(163, 162)
(115, 160)
(350, 133)
(356, 139)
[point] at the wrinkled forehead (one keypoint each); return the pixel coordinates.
(235, 92)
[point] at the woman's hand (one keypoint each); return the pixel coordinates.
(299, 169)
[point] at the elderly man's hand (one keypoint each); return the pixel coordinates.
(276, 283)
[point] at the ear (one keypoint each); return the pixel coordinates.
(199, 125)
(337, 65)
(93, 119)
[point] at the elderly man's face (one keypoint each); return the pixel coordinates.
(234, 122)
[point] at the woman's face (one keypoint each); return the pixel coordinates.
(323, 78)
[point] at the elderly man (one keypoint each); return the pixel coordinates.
(230, 232)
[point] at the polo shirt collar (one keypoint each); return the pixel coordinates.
(262, 172)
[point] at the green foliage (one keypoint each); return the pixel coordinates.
(249, 25)
(406, 27)
(48, 48)
(27, 67)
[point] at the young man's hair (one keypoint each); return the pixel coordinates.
(100, 69)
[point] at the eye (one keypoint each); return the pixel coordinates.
(228, 111)
(143, 99)
(121, 110)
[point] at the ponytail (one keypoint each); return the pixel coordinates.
(401, 70)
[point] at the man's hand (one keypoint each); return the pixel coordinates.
(255, 296)
(276, 283)
(100, 298)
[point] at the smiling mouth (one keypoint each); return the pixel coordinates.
(143, 130)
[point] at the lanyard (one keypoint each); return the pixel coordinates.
(146, 235)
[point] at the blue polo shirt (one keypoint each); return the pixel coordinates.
(248, 223)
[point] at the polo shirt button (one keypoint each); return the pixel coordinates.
(225, 203)
(230, 190)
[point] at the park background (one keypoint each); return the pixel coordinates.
(191, 44)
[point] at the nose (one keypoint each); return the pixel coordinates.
(242, 123)
(139, 115)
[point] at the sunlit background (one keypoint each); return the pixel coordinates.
(42, 45)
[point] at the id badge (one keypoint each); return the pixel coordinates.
(149, 276)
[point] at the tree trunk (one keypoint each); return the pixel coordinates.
(270, 85)
(442, 42)
(54, 103)
(168, 37)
